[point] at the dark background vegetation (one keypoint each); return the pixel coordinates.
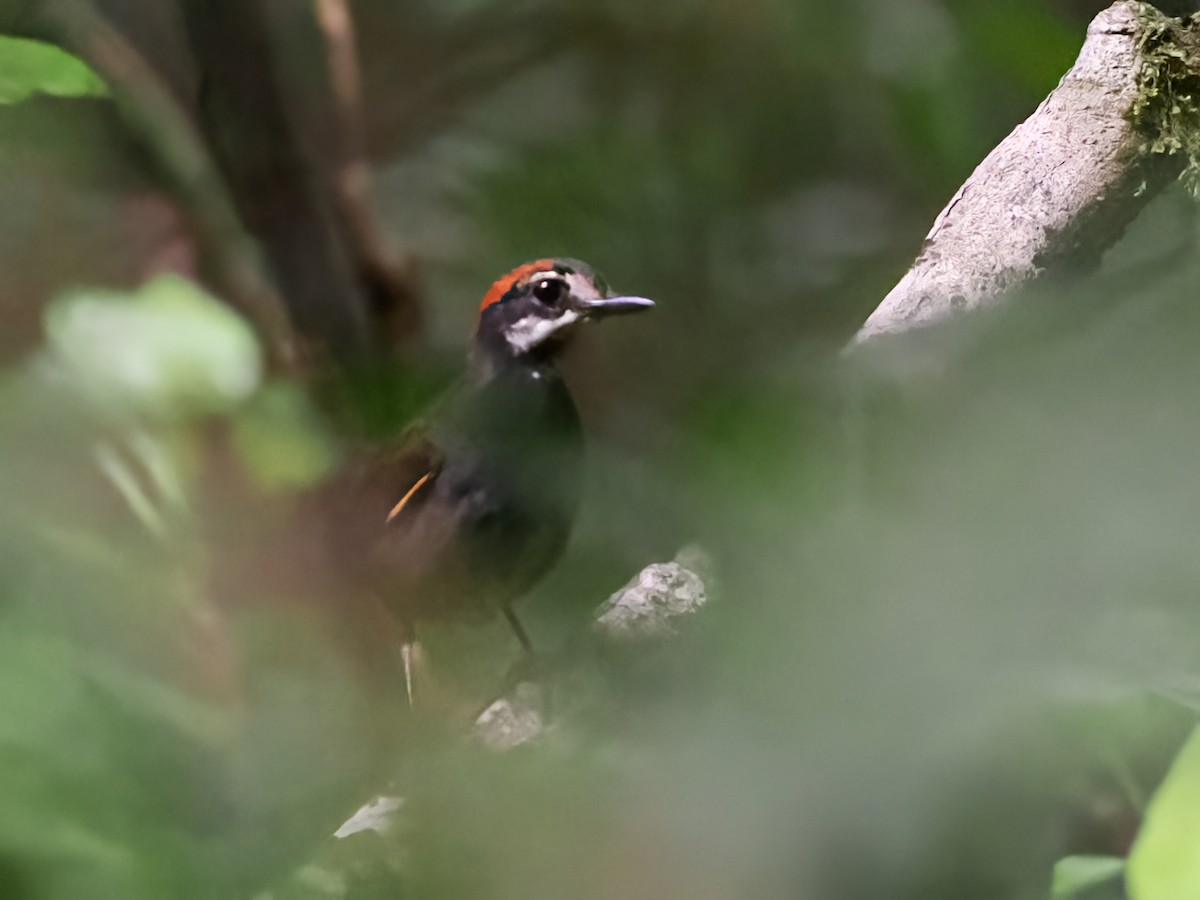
(954, 624)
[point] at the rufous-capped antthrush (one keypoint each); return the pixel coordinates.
(476, 503)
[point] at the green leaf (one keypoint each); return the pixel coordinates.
(1075, 874)
(33, 67)
(168, 349)
(1165, 861)
(281, 439)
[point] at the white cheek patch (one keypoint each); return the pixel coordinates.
(527, 333)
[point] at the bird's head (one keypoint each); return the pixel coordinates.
(532, 310)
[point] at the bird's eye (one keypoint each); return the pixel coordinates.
(549, 290)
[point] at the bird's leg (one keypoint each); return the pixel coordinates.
(519, 631)
(531, 666)
(533, 663)
(406, 654)
(408, 645)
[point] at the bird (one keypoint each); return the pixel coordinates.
(474, 504)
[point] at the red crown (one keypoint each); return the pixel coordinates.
(514, 278)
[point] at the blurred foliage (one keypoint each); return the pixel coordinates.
(1076, 875)
(1165, 861)
(33, 67)
(952, 647)
(167, 350)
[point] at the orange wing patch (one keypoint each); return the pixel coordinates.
(411, 491)
(503, 285)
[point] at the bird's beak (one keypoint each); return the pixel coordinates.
(611, 306)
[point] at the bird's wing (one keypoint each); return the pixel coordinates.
(373, 490)
(406, 472)
(413, 551)
(391, 482)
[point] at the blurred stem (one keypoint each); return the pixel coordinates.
(122, 477)
(388, 276)
(148, 106)
(140, 466)
(161, 468)
(267, 109)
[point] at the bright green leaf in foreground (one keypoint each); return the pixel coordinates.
(33, 67)
(166, 349)
(1165, 862)
(1075, 874)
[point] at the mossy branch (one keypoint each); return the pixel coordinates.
(1122, 124)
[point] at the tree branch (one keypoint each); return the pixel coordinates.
(163, 126)
(255, 121)
(389, 276)
(252, 107)
(1062, 187)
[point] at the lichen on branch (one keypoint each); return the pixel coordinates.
(1166, 112)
